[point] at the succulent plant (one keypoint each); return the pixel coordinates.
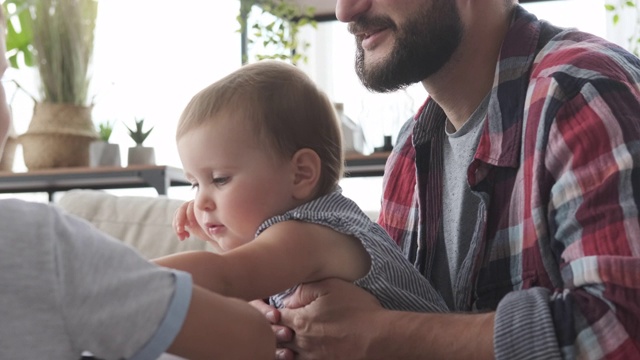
(105, 129)
(139, 135)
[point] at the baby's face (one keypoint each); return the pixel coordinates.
(238, 184)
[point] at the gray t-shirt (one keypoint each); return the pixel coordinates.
(391, 278)
(68, 288)
(460, 205)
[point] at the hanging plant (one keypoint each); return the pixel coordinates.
(19, 33)
(617, 8)
(275, 32)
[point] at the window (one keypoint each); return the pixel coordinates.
(151, 57)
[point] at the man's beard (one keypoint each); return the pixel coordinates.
(424, 43)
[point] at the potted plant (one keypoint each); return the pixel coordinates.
(61, 44)
(140, 154)
(18, 46)
(276, 29)
(18, 40)
(6, 160)
(625, 18)
(101, 151)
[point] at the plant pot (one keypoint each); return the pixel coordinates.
(102, 153)
(6, 160)
(59, 135)
(141, 155)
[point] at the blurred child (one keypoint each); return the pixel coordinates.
(262, 148)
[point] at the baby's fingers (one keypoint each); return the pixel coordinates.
(190, 214)
(180, 221)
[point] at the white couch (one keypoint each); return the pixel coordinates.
(142, 222)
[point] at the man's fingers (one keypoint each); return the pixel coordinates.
(283, 334)
(284, 354)
(272, 314)
(306, 293)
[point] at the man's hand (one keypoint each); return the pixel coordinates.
(331, 319)
(283, 333)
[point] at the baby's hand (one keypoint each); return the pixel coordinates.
(180, 221)
(184, 219)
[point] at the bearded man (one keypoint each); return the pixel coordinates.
(515, 190)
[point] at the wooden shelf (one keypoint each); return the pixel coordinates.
(50, 181)
(159, 177)
(357, 165)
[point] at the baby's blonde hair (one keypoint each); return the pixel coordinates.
(284, 109)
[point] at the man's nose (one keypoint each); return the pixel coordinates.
(350, 10)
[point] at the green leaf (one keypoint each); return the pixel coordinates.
(138, 135)
(278, 29)
(609, 7)
(29, 58)
(13, 60)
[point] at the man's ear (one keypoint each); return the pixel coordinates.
(307, 168)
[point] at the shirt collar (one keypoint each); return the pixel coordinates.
(502, 136)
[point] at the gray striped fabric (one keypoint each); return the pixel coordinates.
(391, 279)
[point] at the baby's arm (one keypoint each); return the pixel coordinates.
(284, 255)
(217, 327)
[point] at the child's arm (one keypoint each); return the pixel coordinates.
(284, 255)
(217, 327)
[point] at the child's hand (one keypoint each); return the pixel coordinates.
(180, 221)
(184, 220)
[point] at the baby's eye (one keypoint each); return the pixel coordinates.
(194, 186)
(220, 180)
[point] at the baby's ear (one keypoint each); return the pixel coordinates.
(307, 170)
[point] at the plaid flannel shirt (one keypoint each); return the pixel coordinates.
(557, 170)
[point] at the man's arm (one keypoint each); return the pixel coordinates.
(333, 319)
(585, 213)
(284, 255)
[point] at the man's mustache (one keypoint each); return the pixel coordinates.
(366, 24)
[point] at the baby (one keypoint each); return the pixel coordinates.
(262, 148)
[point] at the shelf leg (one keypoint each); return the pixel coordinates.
(158, 180)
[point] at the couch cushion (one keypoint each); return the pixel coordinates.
(142, 222)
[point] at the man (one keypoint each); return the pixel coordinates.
(67, 288)
(515, 190)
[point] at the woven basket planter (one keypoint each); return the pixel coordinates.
(6, 160)
(58, 136)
